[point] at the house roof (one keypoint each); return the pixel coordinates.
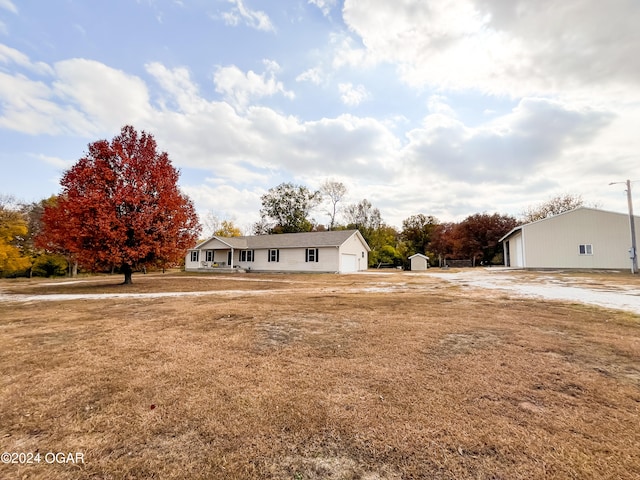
(333, 238)
(418, 255)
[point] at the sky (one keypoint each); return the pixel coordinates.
(445, 108)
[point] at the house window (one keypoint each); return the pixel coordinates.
(274, 256)
(311, 255)
(209, 255)
(246, 255)
(194, 255)
(586, 249)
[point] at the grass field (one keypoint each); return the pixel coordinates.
(315, 377)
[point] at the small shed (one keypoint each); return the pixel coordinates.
(419, 262)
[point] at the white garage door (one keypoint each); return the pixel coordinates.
(348, 263)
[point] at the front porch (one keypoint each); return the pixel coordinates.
(218, 267)
(221, 255)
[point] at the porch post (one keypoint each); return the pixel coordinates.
(231, 262)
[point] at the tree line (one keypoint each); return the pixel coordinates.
(288, 208)
(120, 209)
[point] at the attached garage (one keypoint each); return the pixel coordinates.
(348, 263)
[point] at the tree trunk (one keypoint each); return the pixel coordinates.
(128, 272)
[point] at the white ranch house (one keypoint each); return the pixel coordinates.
(583, 238)
(341, 251)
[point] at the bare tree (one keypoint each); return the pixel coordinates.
(261, 227)
(553, 206)
(210, 223)
(363, 215)
(214, 224)
(335, 192)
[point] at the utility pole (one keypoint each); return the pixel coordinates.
(633, 253)
(632, 223)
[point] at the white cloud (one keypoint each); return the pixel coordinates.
(252, 18)
(56, 161)
(30, 107)
(351, 95)
(239, 88)
(438, 104)
(8, 5)
(313, 75)
(445, 166)
(324, 5)
(578, 42)
(494, 46)
(346, 53)
(80, 29)
(10, 55)
(234, 202)
(534, 135)
(345, 145)
(109, 98)
(84, 98)
(178, 85)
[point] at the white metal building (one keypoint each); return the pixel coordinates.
(581, 238)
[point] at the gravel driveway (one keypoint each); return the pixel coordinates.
(550, 286)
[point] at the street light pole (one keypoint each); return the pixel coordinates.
(633, 253)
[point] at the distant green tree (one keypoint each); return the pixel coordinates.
(49, 265)
(418, 231)
(383, 239)
(286, 209)
(387, 254)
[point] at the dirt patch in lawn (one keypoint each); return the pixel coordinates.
(318, 377)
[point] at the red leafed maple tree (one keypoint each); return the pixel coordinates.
(120, 206)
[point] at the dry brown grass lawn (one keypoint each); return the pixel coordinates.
(305, 377)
